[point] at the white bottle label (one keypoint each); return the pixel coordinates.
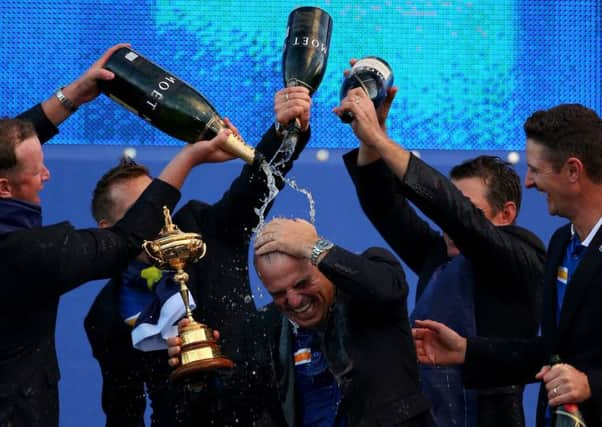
(374, 64)
(131, 56)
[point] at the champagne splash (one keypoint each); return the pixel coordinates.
(272, 170)
(272, 193)
(285, 151)
(310, 199)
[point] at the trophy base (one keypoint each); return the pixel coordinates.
(200, 357)
(197, 373)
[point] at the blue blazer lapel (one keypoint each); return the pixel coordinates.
(581, 280)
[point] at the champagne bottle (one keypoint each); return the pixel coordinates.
(306, 47)
(372, 74)
(305, 54)
(166, 102)
(567, 415)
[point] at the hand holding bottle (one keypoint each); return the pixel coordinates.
(564, 384)
(374, 76)
(366, 124)
(85, 88)
(166, 102)
(191, 155)
(293, 103)
(80, 91)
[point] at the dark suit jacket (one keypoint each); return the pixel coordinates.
(367, 344)
(577, 338)
(220, 285)
(507, 261)
(38, 266)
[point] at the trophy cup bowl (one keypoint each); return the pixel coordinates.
(173, 250)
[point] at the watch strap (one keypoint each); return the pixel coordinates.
(320, 246)
(65, 102)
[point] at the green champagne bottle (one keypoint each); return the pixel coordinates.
(166, 102)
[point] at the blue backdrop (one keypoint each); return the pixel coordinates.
(469, 73)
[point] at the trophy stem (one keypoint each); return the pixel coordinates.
(182, 277)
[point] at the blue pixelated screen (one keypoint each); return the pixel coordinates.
(469, 72)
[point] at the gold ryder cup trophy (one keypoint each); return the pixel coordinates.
(173, 250)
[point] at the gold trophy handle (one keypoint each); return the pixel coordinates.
(204, 251)
(145, 246)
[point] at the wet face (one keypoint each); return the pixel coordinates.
(298, 288)
(475, 189)
(542, 177)
(27, 179)
(124, 194)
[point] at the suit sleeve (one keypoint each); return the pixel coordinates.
(594, 377)
(409, 236)
(375, 277)
(486, 245)
(492, 362)
(52, 260)
(123, 397)
(44, 127)
(233, 216)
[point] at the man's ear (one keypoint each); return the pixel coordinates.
(506, 215)
(5, 188)
(574, 168)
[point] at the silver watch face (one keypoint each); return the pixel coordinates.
(324, 244)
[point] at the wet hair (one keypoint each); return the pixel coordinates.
(102, 202)
(12, 132)
(267, 258)
(502, 181)
(569, 130)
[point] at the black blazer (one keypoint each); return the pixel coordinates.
(220, 285)
(367, 344)
(38, 266)
(577, 338)
(507, 261)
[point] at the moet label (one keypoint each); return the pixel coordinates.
(157, 94)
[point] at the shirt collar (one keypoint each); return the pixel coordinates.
(591, 234)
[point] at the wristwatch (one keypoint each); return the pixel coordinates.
(320, 246)
(65, 102)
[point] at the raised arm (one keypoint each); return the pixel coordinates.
(410, 236)
(484, 243)
(234, 214)
(63, 258)
(375, 276)
(47, 115)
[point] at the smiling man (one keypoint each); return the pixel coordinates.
(341, 352)
(338, 342)
(481, 275)
(41, 263)
(564, 158)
